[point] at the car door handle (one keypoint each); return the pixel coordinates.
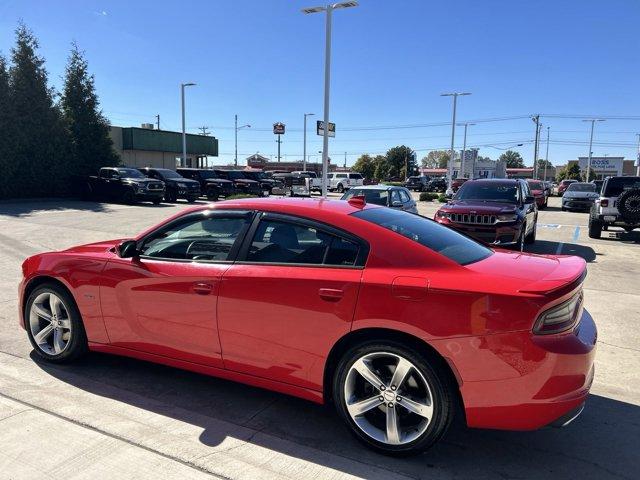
(330, 294)
(202, 288)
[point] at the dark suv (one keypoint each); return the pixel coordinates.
(176, 186)
(437, 184)
(617, 206)
(494, 211)
(417, 183)
(267, 183)
(211, 184)
(241, 183)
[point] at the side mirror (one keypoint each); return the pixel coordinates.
(396, 204)
(127, 249)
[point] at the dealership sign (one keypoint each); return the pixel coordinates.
(603, 164)
(278, 128)
(320, 128)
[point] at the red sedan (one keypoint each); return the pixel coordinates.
(539, 193)
(394, 318)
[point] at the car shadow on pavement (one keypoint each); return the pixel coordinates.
(602, 443)
(621, 236)
(546, 247)
(25, 207)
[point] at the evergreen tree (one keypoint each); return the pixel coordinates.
(41, 141)
(6, 137)
(91, 145)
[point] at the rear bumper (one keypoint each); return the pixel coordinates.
(524, 381)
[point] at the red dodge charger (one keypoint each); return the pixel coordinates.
(394, 318)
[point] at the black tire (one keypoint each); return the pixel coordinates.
(629, 205)
(191, 199)
(531, 238)
(129, 197)
(519, 246)
(212, 194)
(595, 228)
(77, 343)
(340, 188)
(441, 389)
(156, 201)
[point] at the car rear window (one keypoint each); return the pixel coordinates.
(427, 233)
(615, 186)
(355, 176)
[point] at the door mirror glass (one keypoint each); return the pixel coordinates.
(396, 204)
(127, 249)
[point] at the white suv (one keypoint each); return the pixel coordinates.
(341, 181)
(618, 205)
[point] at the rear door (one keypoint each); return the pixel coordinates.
(290, 296)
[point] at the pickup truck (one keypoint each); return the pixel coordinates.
(176, 186)
(212, 185)
(315, 182)
(241, 183)
(123, 184)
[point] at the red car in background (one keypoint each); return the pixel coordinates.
(562, 186)
(394, 318)
(539, 192)
(456, 183)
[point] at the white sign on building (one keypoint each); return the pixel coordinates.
(602, 166)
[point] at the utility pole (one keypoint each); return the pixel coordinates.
(638, 156)
(464, 149)
(158, 121)
(184, 134)
(304, 142)
(593, 122)
(278, 141)
(204, 130)
(536, 120)
(455, 96)
(546, 156)
(345, 159)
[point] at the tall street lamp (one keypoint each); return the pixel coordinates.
(184, 134)
(464, 149)
(455, 96)
(327, 76)
(593, 122)
(304, 142)
(235, 160)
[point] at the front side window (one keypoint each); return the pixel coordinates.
(427, 233)
(204, 238)
(278, 241)
(355, 176)
(395, 197)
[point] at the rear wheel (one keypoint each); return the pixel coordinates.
(54, 325)
(340, 188)
(595, 228)
(212, 194)
(392, 399)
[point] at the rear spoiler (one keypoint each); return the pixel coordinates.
(569, 274)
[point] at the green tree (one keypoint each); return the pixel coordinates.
(400, 159)
(512, 159)
(381, 170)
(542, 162)
(365, 165)
(91, 145)
(41, 141)
(7, 166)
(569, 172)
(436, 159)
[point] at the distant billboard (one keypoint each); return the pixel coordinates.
(320, 128)
(278, 128)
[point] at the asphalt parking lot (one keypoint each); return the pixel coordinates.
(129, 419)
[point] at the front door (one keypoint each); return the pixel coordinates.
(164, 300)
(286, 301)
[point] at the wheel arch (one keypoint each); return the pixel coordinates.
(365, 335)
(39, 280)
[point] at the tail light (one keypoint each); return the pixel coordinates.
(604, 202)
(560, 318)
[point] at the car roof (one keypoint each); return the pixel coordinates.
(294, 206)
(497, 181)
(380, 186)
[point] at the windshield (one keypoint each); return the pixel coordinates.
(377, 197)
(166, 173)
(488, 192)
(235, 175)
(581, 187)
(536, 186)
(130, 173)
(617, 185)
(427, 233)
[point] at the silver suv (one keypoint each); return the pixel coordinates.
(618, 205)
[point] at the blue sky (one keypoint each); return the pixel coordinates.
(391, 60)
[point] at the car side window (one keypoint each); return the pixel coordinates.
(395, 196)
(209, 238)
(404, 196)
(278, 241)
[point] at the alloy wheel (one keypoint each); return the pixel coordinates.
(50, 323)
(388, 398)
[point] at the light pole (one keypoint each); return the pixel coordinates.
(638, 156)
(536, 120)
(455, 96)
(327, 80)
(593, 122)
(546, 162)
(304, 142)
(235, 161)
(464, 148)
(184, 134)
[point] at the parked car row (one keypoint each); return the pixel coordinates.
(425, 183)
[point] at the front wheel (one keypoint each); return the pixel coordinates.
(191, 199)
(340, 188)
(129, 197)
(392, 399)
(54, 325)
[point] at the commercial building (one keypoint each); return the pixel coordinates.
(263, 163)
(146, 147)
(474, 167)
(605, 166)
